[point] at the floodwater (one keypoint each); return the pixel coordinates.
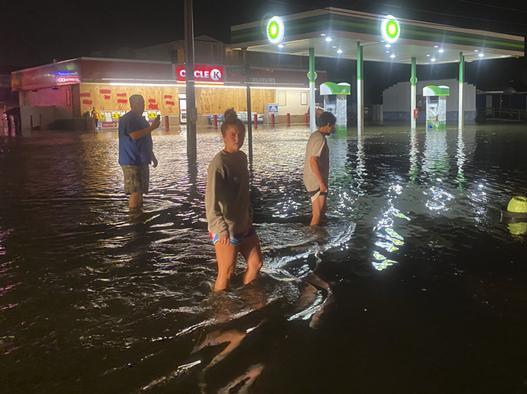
(414, 286)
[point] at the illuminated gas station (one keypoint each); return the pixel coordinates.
(346, 34)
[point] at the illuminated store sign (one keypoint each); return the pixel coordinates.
(390, 29)
(202, 73)
(275, 30)
(66, 77)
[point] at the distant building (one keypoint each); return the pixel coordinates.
(8, 98)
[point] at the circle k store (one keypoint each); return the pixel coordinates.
(61, 95)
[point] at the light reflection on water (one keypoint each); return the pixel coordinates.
(81, 277)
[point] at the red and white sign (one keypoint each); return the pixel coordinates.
(68, 80)
(202, 73)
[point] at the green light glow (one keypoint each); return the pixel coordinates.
(275, 30)
(390, 29)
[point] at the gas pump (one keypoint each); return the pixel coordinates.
(436, 106)
(335, 100)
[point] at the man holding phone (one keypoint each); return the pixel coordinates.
(136, 150)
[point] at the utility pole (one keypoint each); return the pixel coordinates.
(189, 76)
(249, 109)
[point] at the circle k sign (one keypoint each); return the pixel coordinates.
(203, 73)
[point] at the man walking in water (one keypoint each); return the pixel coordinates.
(136, 150)
(316, 166)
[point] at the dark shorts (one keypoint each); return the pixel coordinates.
(136, 179)
(313, 195)
(237, 239)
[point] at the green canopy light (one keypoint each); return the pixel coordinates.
(275, 30)
(390, 29)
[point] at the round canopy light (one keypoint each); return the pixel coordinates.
(275, 30)
(390, 29)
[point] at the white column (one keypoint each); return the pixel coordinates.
(312, 113)
(413, 93)
(413, 105)
(460, 110)
(360, 90)
(312, 76)
(360, 106)
(461, 114)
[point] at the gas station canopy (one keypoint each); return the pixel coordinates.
(334, 33)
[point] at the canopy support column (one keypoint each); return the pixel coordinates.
(413, 94)
(312, 77)
(461, 114)
(360, 90)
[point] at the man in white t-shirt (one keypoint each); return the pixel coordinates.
(316, 166)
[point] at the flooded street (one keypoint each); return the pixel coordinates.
(427, 289)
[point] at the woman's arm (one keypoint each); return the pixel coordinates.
(213, 194)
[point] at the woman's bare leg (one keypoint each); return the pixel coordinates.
(251, 251)
(226, 258)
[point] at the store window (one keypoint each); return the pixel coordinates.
(281, 97)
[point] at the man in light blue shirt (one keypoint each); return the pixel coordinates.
(136, 150)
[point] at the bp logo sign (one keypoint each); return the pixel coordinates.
(275, 30)
(390, 29)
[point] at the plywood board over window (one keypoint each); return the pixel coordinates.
(115, 98)
(217, 100)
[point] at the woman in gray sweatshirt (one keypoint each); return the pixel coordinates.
(228, 206)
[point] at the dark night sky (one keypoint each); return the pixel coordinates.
(33, 33)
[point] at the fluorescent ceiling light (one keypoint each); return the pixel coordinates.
(199, 85)
(329, 39)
